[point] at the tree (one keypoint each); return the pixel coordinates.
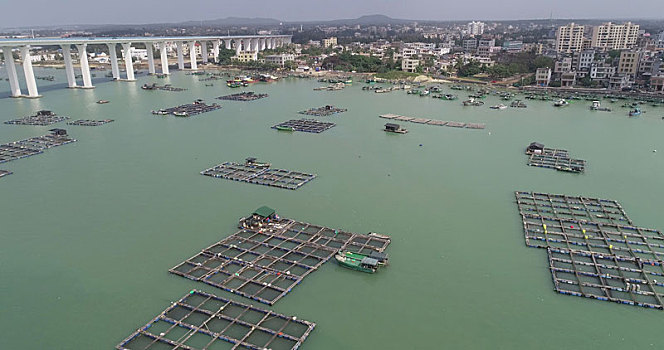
(543, 62)
(225, 55)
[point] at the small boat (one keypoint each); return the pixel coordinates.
(181, 114)
(450, 97)
(254, 163)
(424, 93)
(285, 128)
(472, 102)
(561, 103)
(500, 106)
(101, 102)
(595, 106)
(635, 112)
(361, 262)
(209, 84)
(160, 112)
(518, 104)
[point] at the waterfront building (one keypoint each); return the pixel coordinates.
(611, 36)
(619, 82)
(330, 42)
(279, 60)
(568, 79)
(563, 65)
(584, 59)
(245, 56)
(629, 62)
(475, 28)
(543, 76)
(569, 38)
(657, 83)
(602, 72)
(409, 64)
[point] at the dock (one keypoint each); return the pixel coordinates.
(304, 125)
(188, 110)
(243, 96)
(201, 320)
(41, 118)
(323, 111)
(435, 122)
(266, 263)
(266, 176)
(4, 173)
(90, 122)
(594, 249)
(30, 147)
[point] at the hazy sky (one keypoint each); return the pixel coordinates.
(20, 13)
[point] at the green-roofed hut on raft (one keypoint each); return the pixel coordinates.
(259, 218)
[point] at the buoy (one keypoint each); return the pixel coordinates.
(420, 145)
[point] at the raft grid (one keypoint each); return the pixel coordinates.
(433, 121)
(39, 120)
(266, 265)
(281, 178)
(323, 111)
(594, 249)
(201, 320)
(90, 122)
(30, 147)
(190, 109)
(557, 159)
(306, 125)
(243, 96)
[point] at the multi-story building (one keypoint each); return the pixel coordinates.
(611, 36)
(543, 76)
(584, 59)
(568, 79)
(563, 65)
(409, 64)
(475, 28)
(657, 83)
(629, 63)
(512, 45)
(602, 71)
(569, 38)
(619, 82)
(330, 42)
(280, 60)
(469, 45)
(245, 56)
(408, 52)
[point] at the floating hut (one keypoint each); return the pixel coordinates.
(395, 128)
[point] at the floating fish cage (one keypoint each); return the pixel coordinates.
(305, 125)
(452, 124)
(201, 320)
(42, 118)
(4, 173)
(281, 178)
(188, 110)
(90, 122)
(166, 87)
(553, 158)
(243, 96)
(264, 265)
(29, 147)
(594, 249)
(323, 111)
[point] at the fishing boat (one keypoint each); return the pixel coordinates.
(595, 106)
(413, 92)
(424, 93)
(500, 106)
(181, 114)
(450, 97)
(635, 112)
(518, 104)
(561, 103)
(472, 102)
(254, 163)
(361, 262)
(101, 102)
(160, 112)
(285, 128)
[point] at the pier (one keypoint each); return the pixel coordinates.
(433, 121)
(243, 96)
(90, 122)
(41, 118)
(304, 125)
(323, 111)
(201, 320)
(259, 175)
(35, 145)
(265, 263)
(594, 249)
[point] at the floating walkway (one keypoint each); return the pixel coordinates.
(243, 96)
(305, 125)
(594, 249)
(323, 111)
(201, 320)
(29, 147)
(267, 176)
(4, 173)
(42, 118)
(552, 158)
(266, 264)
(434, 121)
(188, 110)
(89, 122)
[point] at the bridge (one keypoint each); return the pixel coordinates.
(239, 43)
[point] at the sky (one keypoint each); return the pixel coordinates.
(26, 13)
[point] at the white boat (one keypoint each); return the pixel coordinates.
(561, 103)
(500, 106)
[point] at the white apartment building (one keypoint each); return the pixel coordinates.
(611, 36)
(280, 60)
(475, 28)
(409, 64)
(569, 38)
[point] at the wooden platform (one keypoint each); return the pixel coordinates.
(201, 320)
(266, 265)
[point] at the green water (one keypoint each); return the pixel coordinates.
(89, 230)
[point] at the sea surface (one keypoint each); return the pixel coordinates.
(89, 230)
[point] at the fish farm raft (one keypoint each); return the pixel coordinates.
(260, 174)
(188, 110)
(305, 125)
(594, 250)
(269, 256)
(166, 87)
(243, 96)
(4, 173)
(42, 118)
(551, 158)
(433, 121)
(35, 145)
(89, 122)
(323, 111)
(201, 320)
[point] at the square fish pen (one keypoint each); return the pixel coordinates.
(305, 125)
(323, 111)
(281, 178)
(266, 265)
(29, 147)
(607, 277)
(573, 207)
(557, 163)
(39, 120)
(243, 96)
(201, 320)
